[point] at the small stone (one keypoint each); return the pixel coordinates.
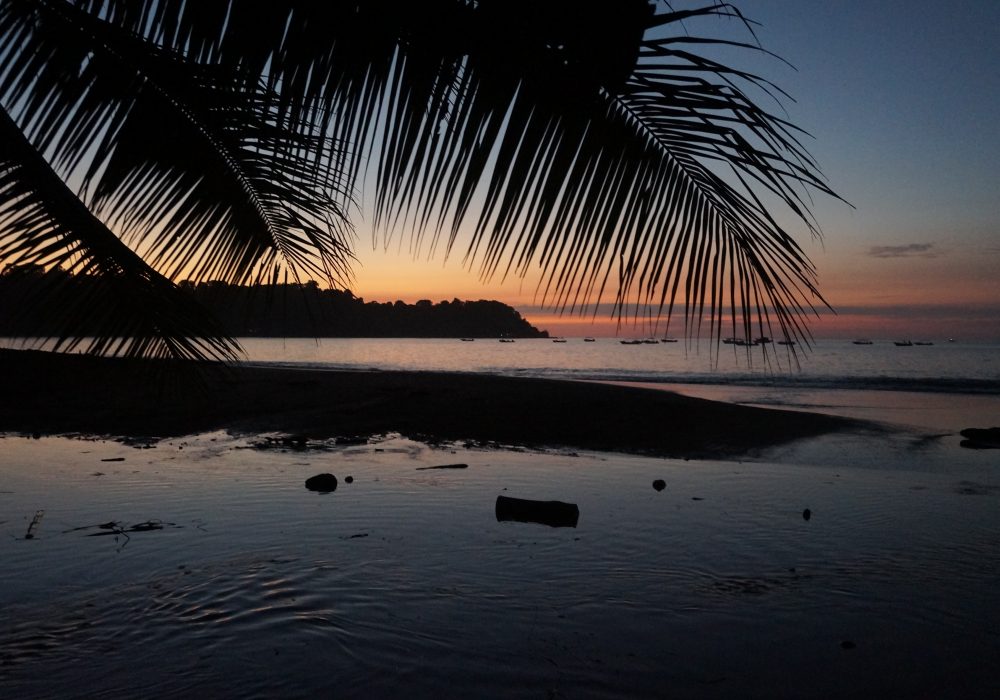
(659, 484)
(323, 483)
(806, 514)
(348, 479)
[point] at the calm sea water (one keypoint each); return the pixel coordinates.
(203, 567)
(965, 368)
(830, 364)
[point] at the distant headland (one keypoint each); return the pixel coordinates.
(279, 310)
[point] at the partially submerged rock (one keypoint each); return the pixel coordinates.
(551, 513)
(981, 438)
(659, 484)
(324, 483)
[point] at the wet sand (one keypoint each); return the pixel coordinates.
(47, 394)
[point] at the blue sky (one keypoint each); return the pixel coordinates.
(902, 100)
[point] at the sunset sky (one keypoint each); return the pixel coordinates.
(901, 99)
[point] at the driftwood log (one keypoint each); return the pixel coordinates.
(551, 513)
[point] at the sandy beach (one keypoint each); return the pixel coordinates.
(48, 393)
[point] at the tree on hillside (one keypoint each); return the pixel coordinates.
(144, 142)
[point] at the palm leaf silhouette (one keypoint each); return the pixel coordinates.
(131, 309)
(589, 142)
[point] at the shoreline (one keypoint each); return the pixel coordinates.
(48, 393)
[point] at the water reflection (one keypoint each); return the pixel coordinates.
(411, 583)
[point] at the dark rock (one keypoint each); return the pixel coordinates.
(659, 484)
(806, 514)
(973, 445)
(445, 466)
(348, 479)
(551, 513)
(981, 438)
(323, 483)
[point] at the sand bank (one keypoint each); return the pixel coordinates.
(49, 393)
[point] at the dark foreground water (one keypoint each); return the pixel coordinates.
(204, 567)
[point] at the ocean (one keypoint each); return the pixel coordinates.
(951, 367)
(962, 368)
(944, 387)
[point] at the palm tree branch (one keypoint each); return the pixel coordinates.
(136, 311)
(221, 115)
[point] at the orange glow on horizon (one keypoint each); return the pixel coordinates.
(953, 295)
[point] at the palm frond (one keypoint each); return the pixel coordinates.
(595, 145)
(135, 311)
(193, 163)
(607, 161)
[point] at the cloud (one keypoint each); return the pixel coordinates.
(910, 250)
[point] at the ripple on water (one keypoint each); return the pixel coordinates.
(263, 589)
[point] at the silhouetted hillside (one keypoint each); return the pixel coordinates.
(284, 310)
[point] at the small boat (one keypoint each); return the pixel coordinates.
(650, 341)
(588, 340)
(862, 341)
(745, 343)
(558, 340)
(467, 340)
(630, 342)
(786, 342)
(506, 340)
(903, 343)
(922, 342)
(729, 341)
(763, 340)
(668, 340)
